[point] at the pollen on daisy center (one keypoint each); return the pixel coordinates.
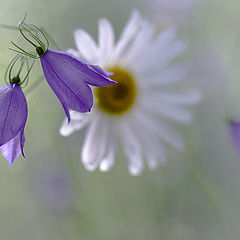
(117, 98)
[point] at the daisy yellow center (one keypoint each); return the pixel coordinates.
(117, 98)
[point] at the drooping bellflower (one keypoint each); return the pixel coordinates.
(13, 112)
(68, 76)
(235, 134)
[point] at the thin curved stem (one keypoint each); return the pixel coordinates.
(33, 28)
(21, 67)
(42, 32)
(12, 62)
(22, 51)
(25, 36)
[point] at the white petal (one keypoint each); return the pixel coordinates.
(152, 160)
(73, 52)
(151, 145)
(160, 59)
(169, 75)
(108, 159)
(160, 52)
(161, 129)
(128, 34)
(106, 38)
(164, 38)
(176, 49)
(174, 113)
(86, 45)
(78, 121)
(184, 97)
(94, 145)
(161, 42)
(132, 149)
(77, 115)
(141, 40)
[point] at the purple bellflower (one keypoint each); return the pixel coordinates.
(235, 134)
(68, 76)
(13, 112)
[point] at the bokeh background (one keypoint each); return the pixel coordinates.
(195, 196)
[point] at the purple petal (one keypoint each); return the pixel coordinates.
(22, 141)
(67, 64)
(13, 112)
(235, 134)
(12, 149)
(68, 85)
(102, 71)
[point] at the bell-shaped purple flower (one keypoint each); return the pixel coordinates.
(235, 134)
(13, 112)
(70, 77)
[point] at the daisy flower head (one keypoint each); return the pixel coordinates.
(136, 109)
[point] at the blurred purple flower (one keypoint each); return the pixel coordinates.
(51, 185)
(13, 112)
(235, 134)
(70, 77)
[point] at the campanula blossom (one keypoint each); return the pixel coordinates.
(13, 112)
(235, 134)
(68, 76)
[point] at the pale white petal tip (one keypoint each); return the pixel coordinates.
(78, 32)
(90, 166)
(76, 115)
(135, 13)
(153, 165)
(73, 52)
(135, 170)
(105, 166)
(66, 129)
(104, 21)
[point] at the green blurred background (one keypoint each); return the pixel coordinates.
(195, 196)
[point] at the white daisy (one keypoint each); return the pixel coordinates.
(137, 108)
